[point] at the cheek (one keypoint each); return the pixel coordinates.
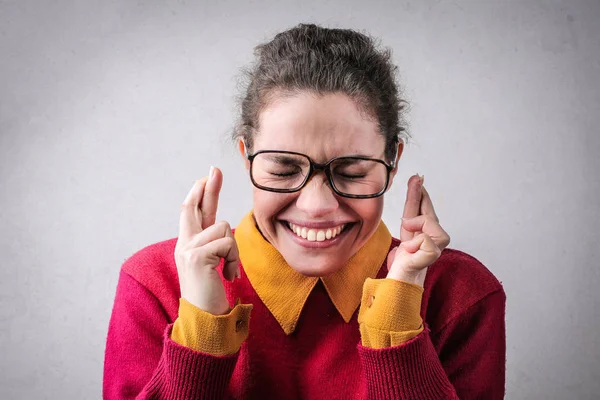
(369, 210)
(268, 204)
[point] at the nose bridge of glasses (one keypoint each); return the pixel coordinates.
(323, 168)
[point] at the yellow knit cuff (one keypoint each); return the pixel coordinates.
(218, 335)
(390, 312)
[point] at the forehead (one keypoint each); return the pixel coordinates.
(322, 127)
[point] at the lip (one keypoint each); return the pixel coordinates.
(316, 245)
(316, 225)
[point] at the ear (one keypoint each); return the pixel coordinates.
(395, 170)
(243, 151)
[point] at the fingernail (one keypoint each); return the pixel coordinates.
(211, 173)
(422, 180)
(238, 274)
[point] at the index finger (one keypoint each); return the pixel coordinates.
(190, 217)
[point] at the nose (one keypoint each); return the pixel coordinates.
(317, 199)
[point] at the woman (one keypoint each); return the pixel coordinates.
(326, 304)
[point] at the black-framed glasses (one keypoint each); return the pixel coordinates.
(349, 176)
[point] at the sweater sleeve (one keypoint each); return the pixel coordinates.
(382, 323)
(466, 362)
(142, 362)
(219, 335)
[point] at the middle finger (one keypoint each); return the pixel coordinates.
(190, 218)
(427, 205)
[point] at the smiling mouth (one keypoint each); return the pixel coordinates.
(317, 235)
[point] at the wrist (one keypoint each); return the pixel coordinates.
(209, 299)
(414, 277)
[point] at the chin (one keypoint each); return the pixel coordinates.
(319, 267)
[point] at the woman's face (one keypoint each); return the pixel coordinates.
(322, 127)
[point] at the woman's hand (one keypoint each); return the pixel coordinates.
(422, 237)
(202, 244)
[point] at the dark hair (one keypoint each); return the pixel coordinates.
(323, 60)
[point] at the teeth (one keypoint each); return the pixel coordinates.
(315, 235)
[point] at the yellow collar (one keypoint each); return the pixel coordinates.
(284, 291)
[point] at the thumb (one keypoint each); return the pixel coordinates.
(390, 257)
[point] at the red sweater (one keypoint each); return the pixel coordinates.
(460, 353)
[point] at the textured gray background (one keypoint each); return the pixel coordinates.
(109, 110)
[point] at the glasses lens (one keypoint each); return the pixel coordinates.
(358, 177)
(280, 170)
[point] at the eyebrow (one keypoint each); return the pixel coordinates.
(345, 161)
(353, 161)
(284, 159)
(288, 159)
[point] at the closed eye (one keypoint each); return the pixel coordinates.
(352, 176)
(283, 174)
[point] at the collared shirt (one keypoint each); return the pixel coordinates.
(284, 291)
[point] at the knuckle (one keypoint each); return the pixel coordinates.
(230, 241)
(447, 240)
(224, 225)
(431, 219)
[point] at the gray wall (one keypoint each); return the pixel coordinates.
(110, 110)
